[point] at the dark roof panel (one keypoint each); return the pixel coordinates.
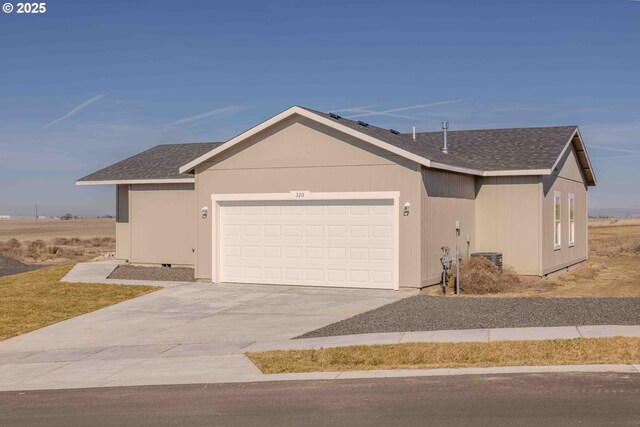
(402, 141)
(504, 149)
(159, 162)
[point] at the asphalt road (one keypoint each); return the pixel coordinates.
(491, 400)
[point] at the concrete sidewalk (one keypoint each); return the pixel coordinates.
(461, 335)
(198, 333)
(222, 362)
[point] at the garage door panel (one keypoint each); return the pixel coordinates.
(321, 243)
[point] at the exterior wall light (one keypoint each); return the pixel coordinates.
(205, 212)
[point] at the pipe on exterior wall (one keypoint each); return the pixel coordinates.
(445, 126)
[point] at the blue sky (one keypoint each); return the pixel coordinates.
(89, 83)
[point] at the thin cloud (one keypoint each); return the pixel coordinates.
(392, 112)
(74, 111)
(352, 109)
(617, 157)
(219, 112)
(619, 150)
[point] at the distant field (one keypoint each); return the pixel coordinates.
(611, 222)
(30, 229)
(57, 241)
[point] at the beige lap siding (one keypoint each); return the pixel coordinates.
(446, 197)
(508, 220)
(123, 237)
(567, 180)
(162, 224)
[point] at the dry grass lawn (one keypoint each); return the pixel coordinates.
(613, 269)
(451, 355)
(36, 299)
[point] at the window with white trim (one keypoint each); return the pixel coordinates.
(557, 219)
(572, 219)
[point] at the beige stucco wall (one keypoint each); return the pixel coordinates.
(445, 197)
(300, 154)
(162, 224)
(567, 179)
(123, 238)
(508, 220)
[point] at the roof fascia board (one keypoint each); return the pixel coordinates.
(586, 155)
(518, 172)
(138, 181)
(436, 165)
(312, 116)
(584, 149)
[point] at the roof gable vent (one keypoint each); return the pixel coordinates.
(361, 123)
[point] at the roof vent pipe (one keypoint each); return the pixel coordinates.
(445, 126)
(414, 133)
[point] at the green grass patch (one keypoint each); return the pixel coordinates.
(578, 351)
(36, 299)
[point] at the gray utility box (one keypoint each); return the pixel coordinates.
(494, 257)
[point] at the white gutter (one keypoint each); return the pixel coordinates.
(139, 181)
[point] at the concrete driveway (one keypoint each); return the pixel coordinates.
(184, 333)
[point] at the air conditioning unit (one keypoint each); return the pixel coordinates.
(494, 257)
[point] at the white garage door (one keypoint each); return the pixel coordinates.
(345, 243)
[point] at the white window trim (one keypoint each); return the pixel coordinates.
(572, 222)
(302, 195)
(557, 223)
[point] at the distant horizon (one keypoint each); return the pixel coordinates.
(593, 213)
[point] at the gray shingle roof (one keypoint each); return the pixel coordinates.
(504, 149)
(159, 162)
(485, 149)
(406, 142)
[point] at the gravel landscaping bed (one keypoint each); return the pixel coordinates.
(165, 274)
(426, 313)
(10, 266)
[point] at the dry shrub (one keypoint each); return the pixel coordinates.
(36, 247)
(478, 276)
(102, 241)
(13, 244)
(632, 245)
(57, 248)
(615, 245)
(75, 241)
(63, 241)
(11, 248)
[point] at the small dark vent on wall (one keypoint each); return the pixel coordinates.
(334, 116)
(393, 131)
(361, 123)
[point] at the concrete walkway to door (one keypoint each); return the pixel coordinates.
(184, 333)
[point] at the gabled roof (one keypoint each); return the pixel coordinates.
(159, 164)
(487, 152)
(395, 143)
(490, 152)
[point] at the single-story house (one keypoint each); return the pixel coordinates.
(309, 198)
